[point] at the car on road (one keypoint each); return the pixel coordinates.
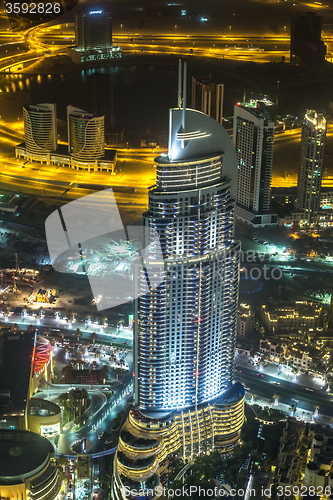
(308, 389)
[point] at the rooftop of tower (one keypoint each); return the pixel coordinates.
(23, 454)
(317, 119)
(258, 109)
(201, 138)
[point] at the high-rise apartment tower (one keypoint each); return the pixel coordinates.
(253, 137)
(185, 400)
(207, 96)
(311, 165)
(93, 30)
(93, 37)
(85, 134)
(40, 129)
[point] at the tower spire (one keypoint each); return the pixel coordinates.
(184, 94)
(179, 83)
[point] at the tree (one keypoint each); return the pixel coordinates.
(276, 398)
(78, 334)
(62, 462)
(252, 398)
(67, 373)
(93, 337)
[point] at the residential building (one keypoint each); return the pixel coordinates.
(296, 316)
(245, 321)
(289, 457)
(86, 142)
(85, 134)
(40, 130)
(185, 399)
(299, 359)
(319, 469)
(311, 165)
(207, 96)
(274, 349)
(253, 137)
(93, 37)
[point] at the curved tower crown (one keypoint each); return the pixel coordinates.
(203, 137)
(185, 328)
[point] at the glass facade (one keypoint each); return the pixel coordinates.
(185, 328)
(311, 163)
(185, 400)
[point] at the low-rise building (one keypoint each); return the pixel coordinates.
(319, 469)
(299, 359)
(288, 467)
(273, 348)
(245, 321)
(299, 316)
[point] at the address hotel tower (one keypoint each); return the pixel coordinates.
(185, 400)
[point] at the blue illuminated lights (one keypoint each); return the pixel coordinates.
(185, 399)
(185, 328)
(96, 12)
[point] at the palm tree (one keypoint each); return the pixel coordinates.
(62, 462)
(78, 334)
(112, 358)
(276, 399)
(316, 408)
(93, 337)
(252, 398)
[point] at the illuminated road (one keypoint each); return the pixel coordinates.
(254, 48)
(135, 171)
(306, 390)
(257, 44)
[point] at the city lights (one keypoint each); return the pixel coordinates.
(166, 250)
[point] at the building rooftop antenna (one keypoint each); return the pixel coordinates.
(184, 95)
(179, 83)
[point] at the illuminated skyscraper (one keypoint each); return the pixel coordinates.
(185, 329)
(40, 130)
(311, 164)
(93, 30)
(253, 137)
(93, 36)
(85, 134)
